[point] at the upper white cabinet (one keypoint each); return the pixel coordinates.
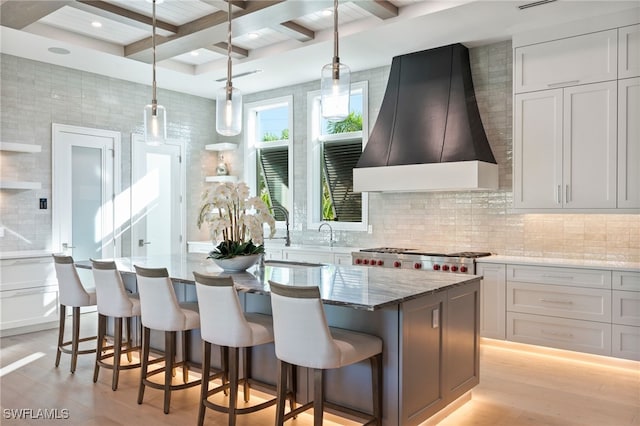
(565, 148)
(629, 51)
(629, 142)
(583, 59)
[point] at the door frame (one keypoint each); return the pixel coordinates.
(58, 191)
(138, 140)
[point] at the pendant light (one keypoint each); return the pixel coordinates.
(155, 116)
(335, 82)
(228, 98)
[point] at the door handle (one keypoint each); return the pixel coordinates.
(67, 246)
(142, 243)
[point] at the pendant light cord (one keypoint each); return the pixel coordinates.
(336, 58)
(229, 86)
(154, 101)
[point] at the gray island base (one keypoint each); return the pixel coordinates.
(429, 323)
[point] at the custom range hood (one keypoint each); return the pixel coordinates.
(428, 135)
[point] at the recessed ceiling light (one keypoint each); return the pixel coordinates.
(59, 50)
(96, 24)
(327, 12)
(253, 36)
(194, 53)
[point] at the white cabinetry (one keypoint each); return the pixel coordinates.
(492, 300)
(629, 51)
(629, 141)
(564, 308)
(28, 294)
(314, 256)
(569, 61)
(565, 148)
(626, 315)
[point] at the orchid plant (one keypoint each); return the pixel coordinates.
(235, 220)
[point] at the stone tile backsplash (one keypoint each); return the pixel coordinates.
(35, 94)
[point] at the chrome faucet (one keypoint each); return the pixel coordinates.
(285, 212)
(330, 232)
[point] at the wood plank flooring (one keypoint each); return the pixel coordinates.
(517, 387)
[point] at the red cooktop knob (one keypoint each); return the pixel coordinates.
(366, 261)
(436, 267)
(380, 262)
(397, 264)
(445, 267)
(463, 269)
(358, 261)
(454, 268)
(417, 265)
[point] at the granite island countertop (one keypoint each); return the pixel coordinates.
(358, 287)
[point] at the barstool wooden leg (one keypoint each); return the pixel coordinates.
(318, 397)
(75, 338)
(102, 325)
(186, 342)
(129, 339)
(281, 392)
(233, 385)
(246, 361)
(144, 361)
(204, 385)
(117, 349)
(224, 364)
(63, 316)
(293, 386)
(376, 387)
(170, 356)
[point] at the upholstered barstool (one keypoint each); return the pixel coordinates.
(114, 302)
(224, 324)
(303, 338)
(161, 311)
(75, 295)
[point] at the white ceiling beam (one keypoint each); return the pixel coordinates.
(383, 9)
(19, 14)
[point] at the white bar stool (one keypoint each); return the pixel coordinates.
(223, 323)
(113, 301)
(160, 310)
(75, 295)
(303, 338)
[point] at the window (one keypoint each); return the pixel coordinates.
(269, 151)
(335, 150)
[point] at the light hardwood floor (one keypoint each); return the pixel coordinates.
(517, 387)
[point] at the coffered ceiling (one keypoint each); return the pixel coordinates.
(275, 42)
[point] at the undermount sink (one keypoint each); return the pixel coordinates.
(292, 264)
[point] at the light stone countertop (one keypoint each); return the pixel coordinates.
(358, 287)
(564, 263)
(24, 254)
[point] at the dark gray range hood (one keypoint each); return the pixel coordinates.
(428, 135)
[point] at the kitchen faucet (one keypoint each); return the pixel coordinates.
(330, 232)
(285, 212)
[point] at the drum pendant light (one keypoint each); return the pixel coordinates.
(335, 82)
(155, 116)
(228, 98)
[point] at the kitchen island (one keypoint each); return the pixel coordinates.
(429, 323)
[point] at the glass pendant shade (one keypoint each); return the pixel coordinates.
(228, 111)
(155, 124)
(335, 91)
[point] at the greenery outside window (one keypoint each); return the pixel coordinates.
(335, 150)
(269, 155)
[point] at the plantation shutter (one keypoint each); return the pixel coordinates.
(339, 161)
(274, 166)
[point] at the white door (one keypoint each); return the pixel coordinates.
(84, 185)
(157, 209)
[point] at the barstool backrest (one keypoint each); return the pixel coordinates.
(222, 321)
(300, 329)
(72, 292)
(112, 297)
(159, 308)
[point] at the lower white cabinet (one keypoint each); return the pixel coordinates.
(315, 256)
(28, 293)
(492, 300)
(626, 342)
(626, 315)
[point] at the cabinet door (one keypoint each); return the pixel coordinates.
(629, 142)
(589, 141)
(314, 256)
(492, 300)
(582, 59)
(538, 150)
(629, 51)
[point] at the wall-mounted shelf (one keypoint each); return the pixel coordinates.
(18, 184)
(223, 146)
(221, 179)
(19, 147)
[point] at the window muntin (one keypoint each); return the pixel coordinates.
(335, 150)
